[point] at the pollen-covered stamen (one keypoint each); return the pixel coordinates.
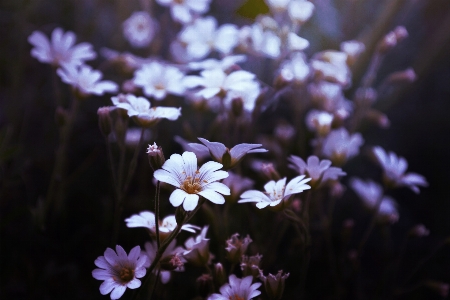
(126, 274)
(192, 184)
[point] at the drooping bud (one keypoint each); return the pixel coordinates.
(104, 120)
(155, 156)
(219, 275)
(274, 284)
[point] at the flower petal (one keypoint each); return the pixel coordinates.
(177, 197)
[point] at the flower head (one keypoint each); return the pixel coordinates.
(60, 51)
(86, 80)
(139, 29)
(238, 289)
(236, 247)
(120, 270)
(197, 249)
(228, 157)
(275, 192)
(394, 168)
(340, 146)
(144, 115)
(182, 172)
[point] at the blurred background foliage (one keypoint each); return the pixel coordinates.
(55, 261)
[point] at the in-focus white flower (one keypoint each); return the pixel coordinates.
(139, 29)
(119, 271)
(320, 171)
(300, 10)
(171, 251)
(275, 192)
(197, 249)
(60, 51)
(371, 193)
(86, 80)
(202, 36)
(183, 11)
(182, 172)
(228, 157)
(238, 289)
(144, 115)
(146, 219)
(340, 146)
(394, 168)
(158, 79)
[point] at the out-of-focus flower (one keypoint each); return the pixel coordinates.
(212, 63)
(146, 219)
(237, 184)
(182, 172)
(119, 271)
(139, 29)
(144, 115)
(394, 168)
(295, 70)
(250, 265)
(172, 250)
(274, 284)
(419, 231)
(197, 249)
(300, 11)
(332, 66)
(340, 146)
(236, 247)
(371, 193)
(60, 51)
(201, 153)
(259, 41)
(319, 122)
(278, 5)
(202, 36)
(320, 171)
(353, 49)
(228, 157)
(238, 289)
(158, 79)
(86, 80)
(275, 192)
(183, 10)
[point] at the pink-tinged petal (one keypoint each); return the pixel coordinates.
(106, 86)
(177, 197)
(118, 292)
(212, 196)
(101, 274)
(111, 256)
(167, 177)
(68, 40)
(219, 187)
(280, 185)
(102, 263)
(134, 284)
(190, 202)
(134, 254)
(255, 293)
(216, 149)
(121, 253)
(83, 51)
(107, 286)
(198, 148)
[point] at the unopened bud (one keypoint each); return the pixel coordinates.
(365, 96)
(391, 39)
(237, 247)
(205, 285)
(104, 120)
(419, 231)
(250, 265)
(219, 275)
(378, 118)
(400, 33)
(155, 156)
(172, 262)
(274, 284)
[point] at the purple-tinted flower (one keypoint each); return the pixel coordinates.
(197, 249)
(340, 146)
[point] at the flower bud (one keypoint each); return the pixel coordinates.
(274, 285)
(155, 156)
(250, 265)
(219, 275)
(104, 120)
(400, 77)
(172, 262)
(237, 247)
(205, 285)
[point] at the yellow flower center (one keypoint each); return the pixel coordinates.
(126, 274)
(236, 297)
(192, 185)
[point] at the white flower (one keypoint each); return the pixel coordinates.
(216, 81)
(320, 171)
(263, 42)
(212, 63)
(86, 80)
(319, 121)
(183, 10)
(61, 50)
(203, 36)
(275, 192)
(182, 172)
(278, 5)
(197, 249)
(394, 168)
(228, 157)
(332, 66)
(120, 270)
(139, 29)
(158, 80)
(295, 69)
(139, 108)
(146, 219)
(237, 289)
(300, 10)
(340, 146)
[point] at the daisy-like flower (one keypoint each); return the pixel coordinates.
(340, 146)
(228, 157)
(146, 219)
(86, 80)
(144, 115)
(139, 29)
(172, 251)
(119, 271)
(183, 10)
(238, 289)
(275, 192)
(371, 193)
(158, 79)
(182, 172)
(394, 168)
(197, 249)
(60, 51)
(320, 171)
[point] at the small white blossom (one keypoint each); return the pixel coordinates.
(340, 146)
(139, 29)
(119, 271)
(263, 42)
(60, 51)
(182, 172)
(146, 219)
(275, 192)
(238, 289)
(394, 168)
(295, 69)
(183, 10)
(86, 80)
(300, 10)
(158, 79)
(139, 108)
(332, 66)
